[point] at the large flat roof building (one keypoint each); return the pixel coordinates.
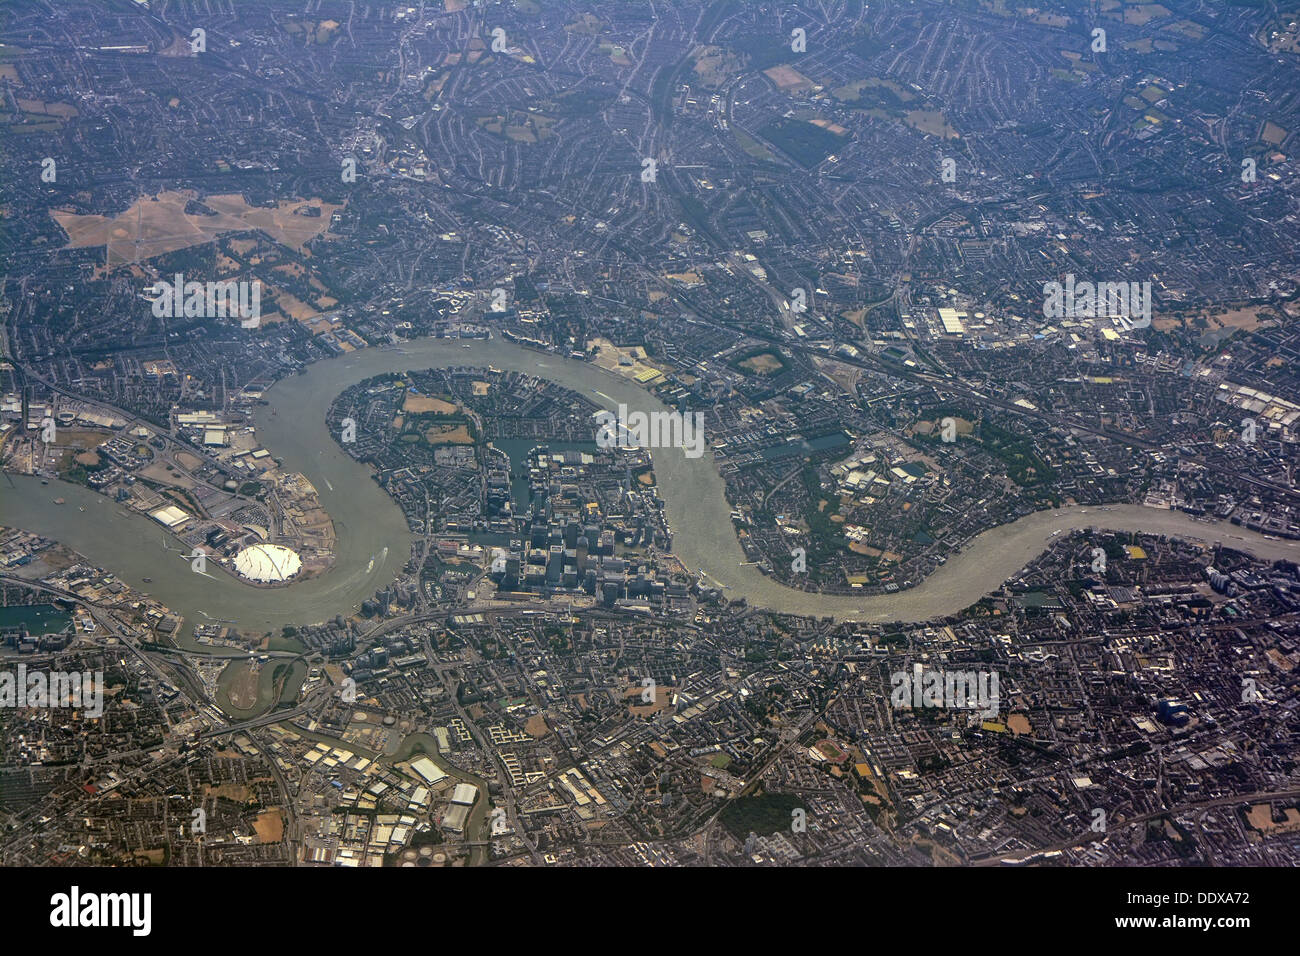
(171, 516)
(427, 769)
(464, 793)
(454, 819)
(951, 320)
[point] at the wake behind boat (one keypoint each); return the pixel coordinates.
(382, 557)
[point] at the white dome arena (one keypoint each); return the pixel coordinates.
(268, 563)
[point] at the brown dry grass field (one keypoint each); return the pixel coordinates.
(788, 78)
(294, 307)
(448, 435)
(762, 364)
(61, 110)
(1143, 13)
(1260, 817)
(1019, 724)
(269, 826)
(152, 226)
(85, 439)
(663, 700)
(536, 726)
(237, 792)
(932, 122)
(425, 403)
(1273, 133)
(1245, 318)
(825, 124)
(243, 687)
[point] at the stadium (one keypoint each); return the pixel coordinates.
(267, 563)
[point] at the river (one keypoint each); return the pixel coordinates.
(367, 520)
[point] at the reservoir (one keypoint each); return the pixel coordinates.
(367, 521)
